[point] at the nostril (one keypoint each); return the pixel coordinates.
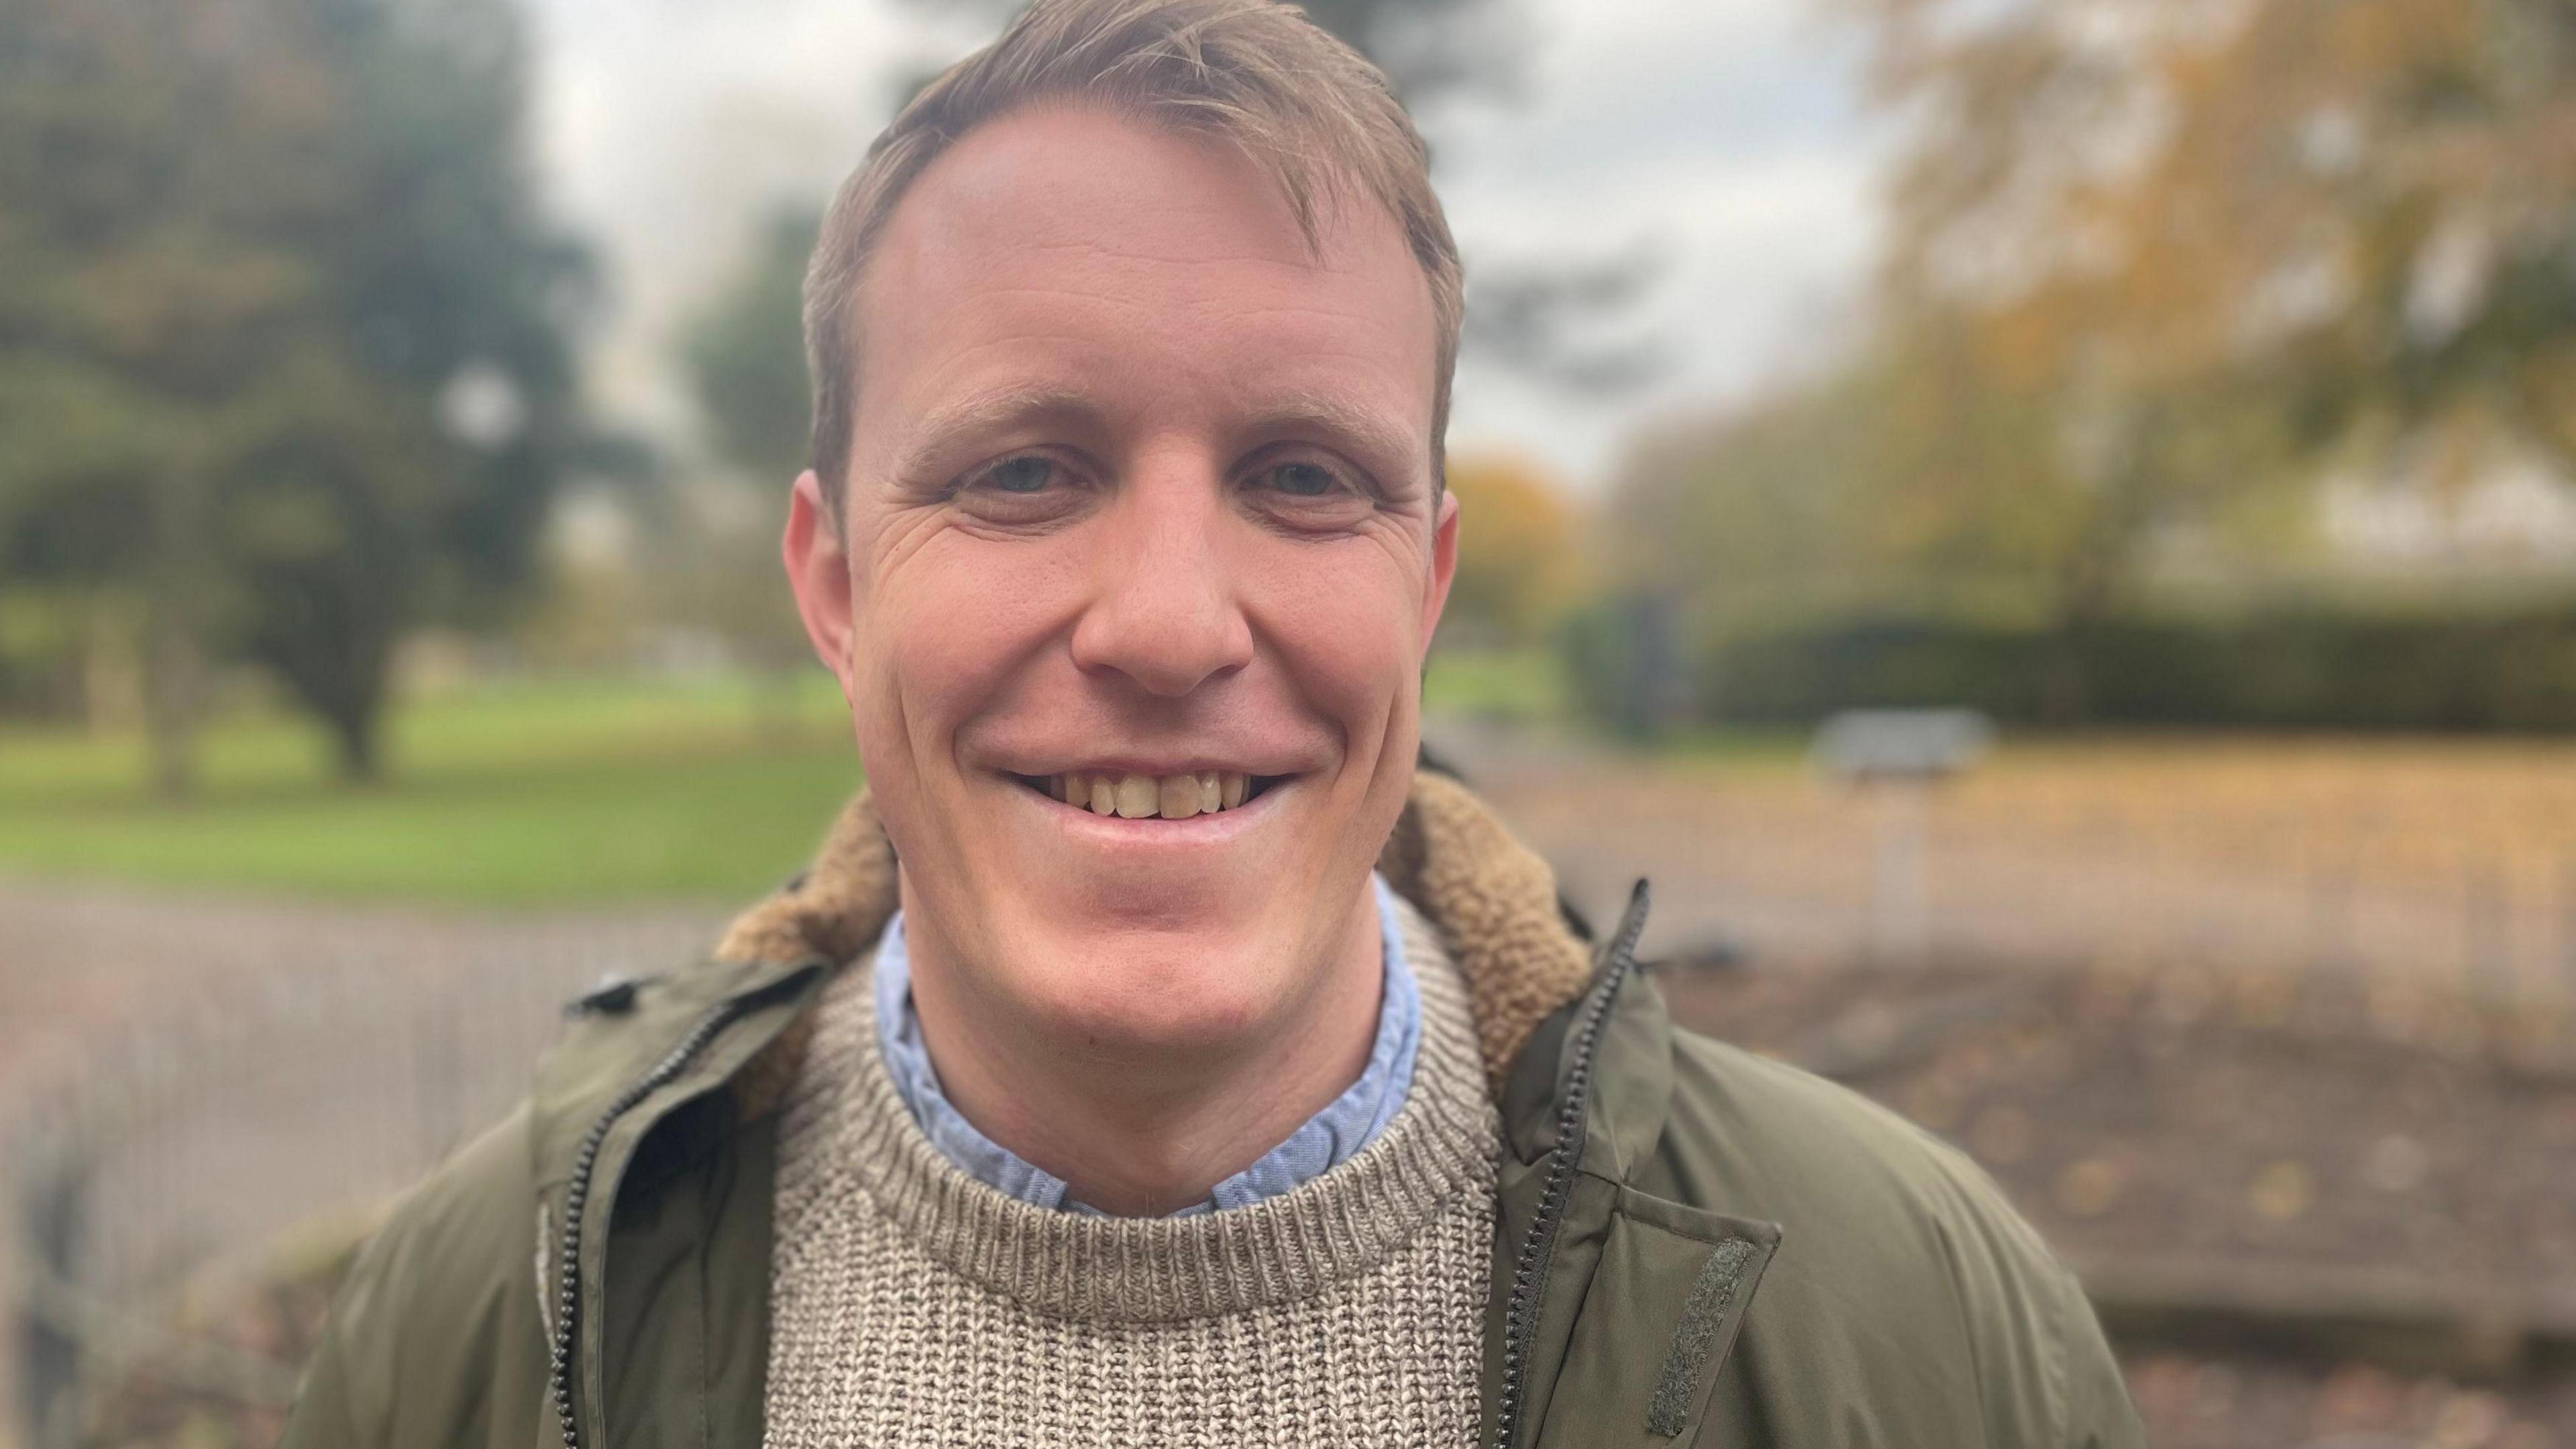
(1163, 645)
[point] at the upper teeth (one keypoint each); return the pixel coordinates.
(1173, 797)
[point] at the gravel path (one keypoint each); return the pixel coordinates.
(185, 1076)
(78, 959)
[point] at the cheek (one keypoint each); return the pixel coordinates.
(1345, 618)
(947, 628)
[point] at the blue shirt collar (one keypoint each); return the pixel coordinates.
(1350, 1122)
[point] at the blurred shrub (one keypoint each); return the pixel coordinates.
(1519, 560)
(1626, 663)
(2282, 670)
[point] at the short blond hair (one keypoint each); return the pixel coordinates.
(1302, 104)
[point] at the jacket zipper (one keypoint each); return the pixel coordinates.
(1529, 1269)
(577, 1195)
(1528, 1272)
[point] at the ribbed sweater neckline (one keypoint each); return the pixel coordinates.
(1337, 1227)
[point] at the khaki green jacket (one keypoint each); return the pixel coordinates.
(1694, 1245)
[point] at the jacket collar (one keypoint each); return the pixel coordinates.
(1626, 1110)
(1492, 899)
(1495, 906)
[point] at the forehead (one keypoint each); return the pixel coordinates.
(1065, 248)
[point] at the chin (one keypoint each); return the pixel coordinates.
(1150, 991)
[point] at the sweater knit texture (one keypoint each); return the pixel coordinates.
(914, 1305)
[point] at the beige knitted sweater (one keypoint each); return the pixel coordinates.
(914, 1305)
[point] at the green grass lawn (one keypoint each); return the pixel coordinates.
(542, 792)
(1527, 685)
(535, 792)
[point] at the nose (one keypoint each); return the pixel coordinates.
(1164, 609)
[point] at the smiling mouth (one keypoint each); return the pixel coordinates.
(1152, 797)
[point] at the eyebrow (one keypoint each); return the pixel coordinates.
(931, 440)
(1373, 432)
(989, 412)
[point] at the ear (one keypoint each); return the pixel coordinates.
(818, 569)
(1444, 564)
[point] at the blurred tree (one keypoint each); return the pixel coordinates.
(746, 360)
(2359, 215)
(282, 339)
(746, 355)
(1427, 48)
(1751, 517)
(1919, 479)
(2375, 198)
(2154, 260)
(1519, 555)
(1569, 324)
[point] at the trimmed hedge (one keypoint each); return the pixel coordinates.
(2279, 671)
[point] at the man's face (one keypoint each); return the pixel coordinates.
(1141, 491)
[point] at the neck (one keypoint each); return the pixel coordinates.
(1147, 1131)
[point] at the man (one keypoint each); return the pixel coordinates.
(1154, 1055)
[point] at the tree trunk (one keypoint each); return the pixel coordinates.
(344, 671)
(2084, 600)
(354, 735)
(2093, 578)
(173, 690)
(329, 632)
(174, 664)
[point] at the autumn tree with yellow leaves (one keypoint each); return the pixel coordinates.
(2368, 206)
(1519, 553)
(2219, 242)
(2154, 266)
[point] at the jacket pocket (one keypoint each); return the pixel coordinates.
(1657, 1321)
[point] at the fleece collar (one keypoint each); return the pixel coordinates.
(1493, 901)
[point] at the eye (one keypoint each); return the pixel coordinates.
(1301, 479)
(1027, 473)
(1035, 487)
(1309, 492)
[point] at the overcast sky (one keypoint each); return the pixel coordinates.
(1727, 134)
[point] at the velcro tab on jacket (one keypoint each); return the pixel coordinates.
(1695, 1337)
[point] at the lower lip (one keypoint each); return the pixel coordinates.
(1150, 832)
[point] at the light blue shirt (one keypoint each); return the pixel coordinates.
(1349, 1123)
